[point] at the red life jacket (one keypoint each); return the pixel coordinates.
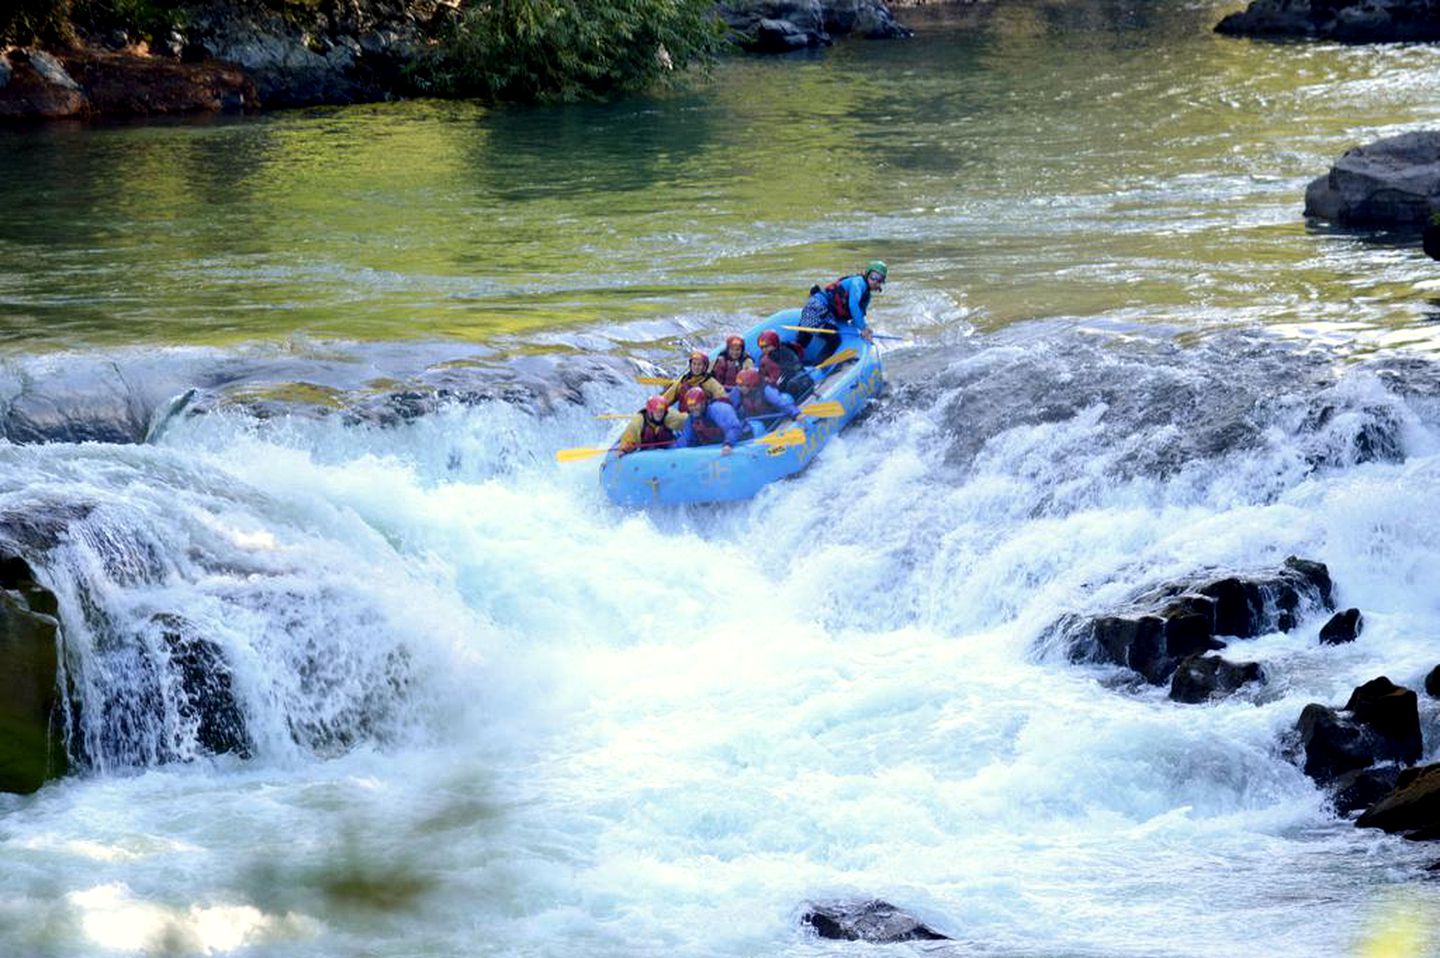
(653, 434)
(726, 369)
(706, 432)
(754, 403)
(839, 299)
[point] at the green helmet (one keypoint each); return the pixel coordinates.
(877, 267)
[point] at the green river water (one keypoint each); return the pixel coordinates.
(1089, 161)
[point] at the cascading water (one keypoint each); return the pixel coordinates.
(448, 680)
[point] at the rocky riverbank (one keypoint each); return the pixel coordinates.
(228, 56)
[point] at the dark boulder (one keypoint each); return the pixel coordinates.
(1343, 627)
(37, 85)
(1162, 625)
(1412, 809)
(1432, 683)
(875, 921)
(1380, 723)
(1394, 182)
(1199, 678)
(31, 743)
(206, 700)
(1393, 713)
(778, 26)
(1359, 789)
(1348, 21)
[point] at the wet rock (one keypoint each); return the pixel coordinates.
(121, 84)
(875, 921)
(206, 700)
(1412, 809)
(778, 26)
(31, 744)
(1349, 21)
(1362, 788)
(1432, 683)
(1393, 712)
(1394, 182)
(1199, 678)
(1343, 627)
(1380, 723)
(1164, 624)
(38, 86)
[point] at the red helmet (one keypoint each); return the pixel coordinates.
(748, 378)
(697, 354)
(694, 396)
(769, 338)
(735, 340)
(656, 406)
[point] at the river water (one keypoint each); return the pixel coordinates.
(490, 714)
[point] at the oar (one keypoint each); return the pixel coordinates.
(835, 332)
(819, 410)
(655, 381)
(790, 437)
(590, 452)
(843, 356)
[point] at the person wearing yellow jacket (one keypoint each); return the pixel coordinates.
(657, 426)
(697, 375)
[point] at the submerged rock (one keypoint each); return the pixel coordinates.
(1362, 788)
(875, 921)
(1199, 678)
(1394, 182)
(1412, 809)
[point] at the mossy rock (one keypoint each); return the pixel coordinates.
(31, 750)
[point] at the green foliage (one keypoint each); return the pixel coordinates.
(23, 22)
(145, 19)
(569, 49)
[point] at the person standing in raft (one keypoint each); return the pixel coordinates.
(840, 307)
(654, 427)
(780, 366)
(729, 363)
(753, 396)
(697, 375)
(708, 422)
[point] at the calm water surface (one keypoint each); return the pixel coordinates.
(1087, 160)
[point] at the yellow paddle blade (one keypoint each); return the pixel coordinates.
(824, 410)
(618, 415)
(580, 452)
(654, 381)
(843, 356)
(790, 437)
(813, 329)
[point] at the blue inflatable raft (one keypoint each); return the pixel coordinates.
(703, 474)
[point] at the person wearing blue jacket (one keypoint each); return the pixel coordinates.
(841, 306)
(708, 422)
(752, 396)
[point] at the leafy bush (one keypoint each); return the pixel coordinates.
(569, 49)
(23, 22)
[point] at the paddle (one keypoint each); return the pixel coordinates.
(790, 437)
(843, 356)
(820, 410)
(655, 381)
(835, 332)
